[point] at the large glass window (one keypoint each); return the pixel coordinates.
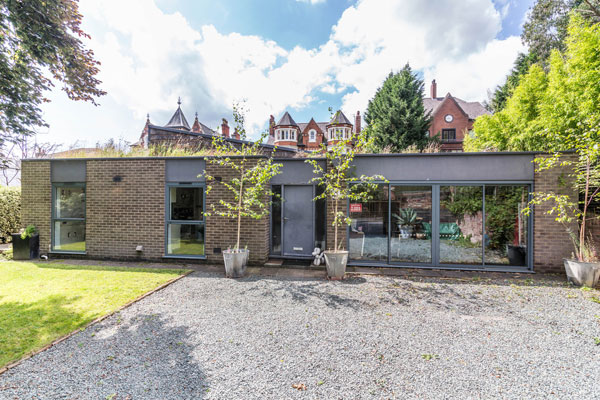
(368, 234)
(411, 224)
(506, 228)
(461, 224)
(185, 221)
(68, 218)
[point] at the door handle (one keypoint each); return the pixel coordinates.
(285, 218)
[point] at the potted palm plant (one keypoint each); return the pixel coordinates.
(406, 221)
(249, 190)
(339, 185)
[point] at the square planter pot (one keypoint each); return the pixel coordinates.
(336, 264)
(582, 273)
(235, 263)
(25, 249)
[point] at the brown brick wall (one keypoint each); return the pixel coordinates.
(36, 193)
(122, 215)
(551, 242)
(221, 232)
(461, 123)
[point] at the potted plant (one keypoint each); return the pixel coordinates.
(248, 188)
(26, 245)
(406, 222)
(339, 186)
(583, 268)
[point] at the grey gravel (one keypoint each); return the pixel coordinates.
(367, 337)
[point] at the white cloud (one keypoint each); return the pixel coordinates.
(149, 58)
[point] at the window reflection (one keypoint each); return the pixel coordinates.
(368, 234)
(461, 224)
(506, 227)
(411, 224)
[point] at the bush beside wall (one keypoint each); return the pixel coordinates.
(10, 211)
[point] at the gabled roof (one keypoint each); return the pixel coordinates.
(339, 118)
(178, 120)
(287, 120)
(472, 109)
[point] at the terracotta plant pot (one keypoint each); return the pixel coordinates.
(235, 262)
(336, 263)
(582, 273)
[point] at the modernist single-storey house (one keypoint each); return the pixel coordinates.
(444, 210)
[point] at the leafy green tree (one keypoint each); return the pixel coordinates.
(501, 94)
(546, 26)
(396, 117)
(40, 45)
(570, 116)
(338, 181)
(517, 126)
(249, 188)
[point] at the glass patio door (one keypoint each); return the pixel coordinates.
(410, 226)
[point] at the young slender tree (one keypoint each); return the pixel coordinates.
(396, 117)
(249, 188)
(338, 181)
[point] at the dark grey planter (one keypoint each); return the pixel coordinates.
(25, 249)
(517, 255)
(235, 263)
(582, 273)
(336, 262)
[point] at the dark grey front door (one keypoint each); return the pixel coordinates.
(298, 230)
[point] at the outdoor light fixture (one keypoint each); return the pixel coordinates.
(139, 248)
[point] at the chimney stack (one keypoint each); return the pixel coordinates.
(272, 126)
(225, 128)
(236, 134)
(357, 122)
(433, 89)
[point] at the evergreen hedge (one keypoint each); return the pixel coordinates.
(10, 211)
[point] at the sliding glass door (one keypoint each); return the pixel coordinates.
(411, 224)
(462, 224)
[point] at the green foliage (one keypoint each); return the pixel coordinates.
(338, 181)
(517, 126)
(502, 93)
(396, 117)
(501, 210)
(571, 117)
(28, 232)
(407, 217)
(10, 211)
(249, 187)
(546, 26)
(40, 40)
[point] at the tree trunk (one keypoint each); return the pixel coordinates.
(584, 215)
(239, 221)
(335, 225)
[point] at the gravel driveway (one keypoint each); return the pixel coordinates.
(206, 337)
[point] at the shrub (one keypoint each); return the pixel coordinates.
(10, 211)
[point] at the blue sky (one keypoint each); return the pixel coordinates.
(277, 55)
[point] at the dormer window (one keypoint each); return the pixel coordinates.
(285, 134)
(312, 135)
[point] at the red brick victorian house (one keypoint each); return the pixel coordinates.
(309, 136)
(452, 118)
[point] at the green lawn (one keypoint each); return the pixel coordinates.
(190, 247)
(75, 246)
(40, 302)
